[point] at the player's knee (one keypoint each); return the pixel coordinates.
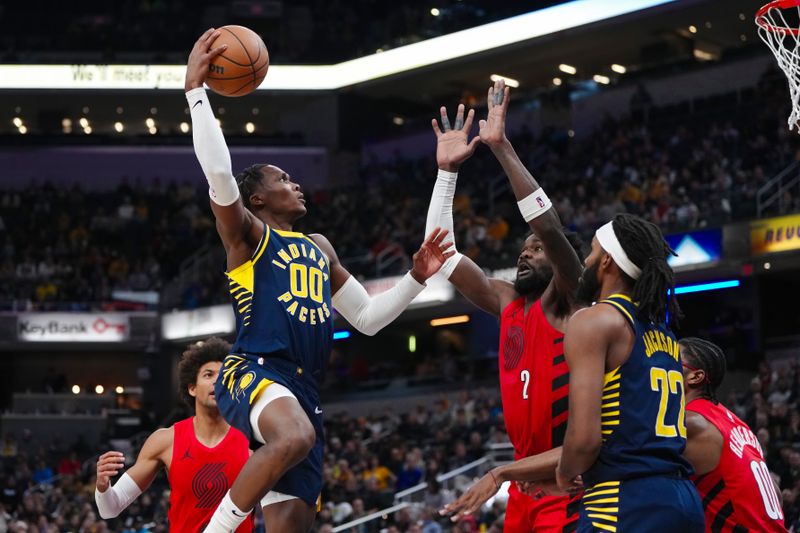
(298, 439)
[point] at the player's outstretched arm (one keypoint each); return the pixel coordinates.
(704, 443)
(371, 314)
(589, 334)
(452, 150)
(536, 468)
(533, 203)
(234, 222)
(112, 500)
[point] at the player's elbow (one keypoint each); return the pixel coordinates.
(106, 514)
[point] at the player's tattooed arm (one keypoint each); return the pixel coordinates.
(566, 263)
(590, 333)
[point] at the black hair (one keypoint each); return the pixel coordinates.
(247, 180)
(654, 291)
(706, 356)
(196, 355)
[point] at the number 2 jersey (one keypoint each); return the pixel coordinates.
(282, 302)
(642, 409)
(738, 495)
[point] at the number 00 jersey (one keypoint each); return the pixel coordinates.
(642, 413)
(738, 495)
(282, 301)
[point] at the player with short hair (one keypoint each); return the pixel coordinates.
(626, 433)
(533, 311)
(284, 286)
(734, 482)
(202, 454)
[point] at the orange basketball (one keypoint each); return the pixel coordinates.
(241, 68)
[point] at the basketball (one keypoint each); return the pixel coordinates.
(241, 68)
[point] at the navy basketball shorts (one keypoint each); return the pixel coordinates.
(657, 504)
(241, 380)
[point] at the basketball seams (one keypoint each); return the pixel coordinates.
(236, 77)
(247, 53)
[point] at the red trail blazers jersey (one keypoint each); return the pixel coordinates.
(738, 495)
(200, 476)
(534, 379)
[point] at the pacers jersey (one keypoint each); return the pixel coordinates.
(534, 379)
(200, 476)
(282, 301)
(642, 413)
(738, 495)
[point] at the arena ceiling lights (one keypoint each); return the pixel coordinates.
(330, 77)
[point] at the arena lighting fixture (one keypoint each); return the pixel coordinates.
(118, 126)
(557, 81)
(412, 343)
(184, 127)
(23, 130)
(450, 320)
(340, 335)
(435, 12)
(567, 69)
(17, 122)
(84, 122)
(599, 78)
(150, 123)
(152, 130)
(76, 389)
(692, 29)
(66, 123)
(87, 130)
(329, 77)
(702, 287)
(619, 69)
(250, 127)
(99, 389)
(120, 389)
(511, 82)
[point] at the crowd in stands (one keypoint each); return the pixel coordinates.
(61, 245)
(301, 31)
(50, 487)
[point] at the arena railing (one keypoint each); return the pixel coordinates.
(774, 191)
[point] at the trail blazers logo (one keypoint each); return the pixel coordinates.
(209, 485)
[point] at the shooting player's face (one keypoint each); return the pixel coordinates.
(281, 194)
(534, 270)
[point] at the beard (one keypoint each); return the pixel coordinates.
(535, 282)
(588, 286)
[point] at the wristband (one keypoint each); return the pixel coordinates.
(534, 205)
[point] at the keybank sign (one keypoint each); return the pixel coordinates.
(72, 327)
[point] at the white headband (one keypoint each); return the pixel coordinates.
(608, 240)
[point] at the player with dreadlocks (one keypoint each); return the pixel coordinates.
(626, 434)
(284, 286)
(730, 473)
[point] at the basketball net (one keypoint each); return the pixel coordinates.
(784, 41)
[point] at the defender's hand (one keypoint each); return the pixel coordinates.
(200, 58)
(472, 500)
(452, 147)
(108, 465)
(431, 255)
(493, 129)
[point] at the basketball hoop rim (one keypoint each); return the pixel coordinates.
(776, 4)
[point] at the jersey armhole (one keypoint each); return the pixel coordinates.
(621, 308)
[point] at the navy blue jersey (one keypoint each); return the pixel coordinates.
(282, 302)
(643, 406)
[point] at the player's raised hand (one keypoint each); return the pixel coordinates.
(200, 58)
(493, 130)
(471, 501)
(108, 465)
(431, 255)
(452, 147)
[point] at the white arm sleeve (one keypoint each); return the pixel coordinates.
(440, 214)
(211, 150)
(369, 315)
(114, 500)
